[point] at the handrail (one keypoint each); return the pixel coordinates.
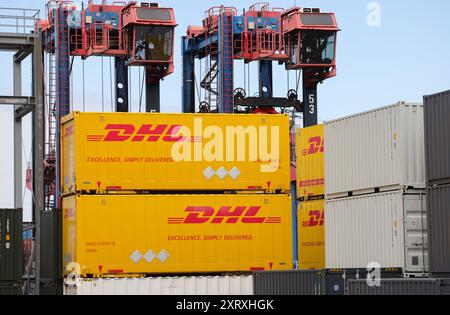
(216, 10)
(67, 4)
(52, 5)
(260, 6)
(16, 20)
(289, 12)
(107, 2)
(36, 12)
(278, 9)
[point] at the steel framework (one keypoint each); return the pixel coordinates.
(135, 35)
(300, 38)
(15, 36)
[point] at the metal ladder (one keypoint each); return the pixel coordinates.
(214, 96)
(99, 37)
(209, 83)
(59, 104)
(49, 183)
(62, 90)
(226, 65)
(63, 64)
(51, 145)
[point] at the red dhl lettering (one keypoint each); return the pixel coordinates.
(316, 218)
(225, 215)
(143, 133)
(312, 182)
(316, 145)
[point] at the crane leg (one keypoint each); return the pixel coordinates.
(121, 85)
(310, 102)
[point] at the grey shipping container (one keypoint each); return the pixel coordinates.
(237, 285)
(378, 150)
(439, 229)
(11, 247)
(426, 286)
(336, 278)
(51, 246)
(295, 282)
(437, 137)
(310, 282)
(388, 228)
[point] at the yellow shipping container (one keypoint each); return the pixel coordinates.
(311, 235)
(177, 152)
(152, 234)
(310, 162)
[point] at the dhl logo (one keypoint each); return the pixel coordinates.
(146, 132)
(316, 218)
(227, 215)
(316, 145)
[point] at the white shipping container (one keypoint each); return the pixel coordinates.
(382, 148)
(385, 228)
(223, 285)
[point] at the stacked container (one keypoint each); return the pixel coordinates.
(425, 286)
(182, 285)
(374, 184)
(175, 193)
(437, 144)
(11, 251)
(310, 193)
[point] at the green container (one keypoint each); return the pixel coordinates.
(10, 289)
(11, 245)
(51, 246)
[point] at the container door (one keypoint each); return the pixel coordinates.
(11, 246)
(416, 243)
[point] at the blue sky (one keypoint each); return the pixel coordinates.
(403, 59)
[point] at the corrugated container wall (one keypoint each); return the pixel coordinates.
(154, 234)
(439, 229)
(11, 245)
(385, 228)
(336, 278)
(176, 152)
(10, 289)
(289, 283)
(310, 162)
(52, 288)
(399, 287)
(226, 285)
(382, 148)
(311, 235)
(437, 137)
(294, 210)
(51, 248)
